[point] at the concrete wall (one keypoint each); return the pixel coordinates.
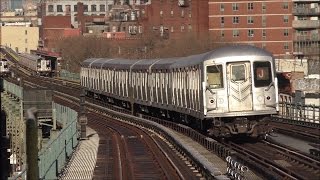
(292, 65)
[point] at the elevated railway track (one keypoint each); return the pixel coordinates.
(250, 154)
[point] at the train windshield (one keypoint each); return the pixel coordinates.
(48, 63)
(215, 76)
(262, 74)
(238, 72)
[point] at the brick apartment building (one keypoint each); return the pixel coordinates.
(176, 18)
(169, 18)
(287, 28)
(263, 23)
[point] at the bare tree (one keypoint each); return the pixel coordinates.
(76, 49)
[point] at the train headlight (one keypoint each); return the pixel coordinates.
(212, 101)
(268, 98)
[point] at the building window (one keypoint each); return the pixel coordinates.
(250, 19)
(286, 46)
(50, 8)
(190, 14)
(140, 29)
(264, 45)
(235, 7)
(250, 33)
(264, 20)
(171, 29)
(302, 18)
(182, 28)
(264, 33)
(250, 6)
(303, 33)
(189, 28)
(221, 7)
(85, 8)
(161, 13)
(222, 20)
(222, 33)
(75, 8)
(171, 13)
(26, 32)
(67, 9)
(59, 8)
(235, 20)
(285, 18)
(102, 8)
(264, 7)
(285, 5)
(286, 32)
(235, 33)
(182, 13)
(93, 8)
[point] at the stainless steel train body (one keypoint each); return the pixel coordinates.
(228, 91)
(4, 68)
(35, 63)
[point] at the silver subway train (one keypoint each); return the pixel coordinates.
(226, 92)
(38, 65)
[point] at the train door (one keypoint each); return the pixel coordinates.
(239, 86)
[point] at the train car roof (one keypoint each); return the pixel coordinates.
(114, 63)
(93, 62)
(237, 50)
(176, 62)
(120, 63)
(30, 56)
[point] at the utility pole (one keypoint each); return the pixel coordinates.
(32, 144)
(82, 119)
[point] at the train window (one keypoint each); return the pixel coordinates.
(238, 72)
(215, 76)
(262, 74)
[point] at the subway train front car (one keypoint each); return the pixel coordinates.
(240, 91)
(226, 92)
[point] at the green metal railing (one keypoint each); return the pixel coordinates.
(69, 75)
(55, 153)
(13, 89)
(54, 156)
